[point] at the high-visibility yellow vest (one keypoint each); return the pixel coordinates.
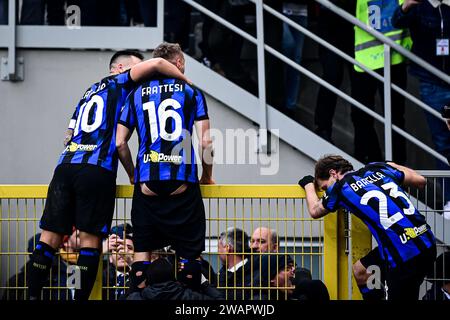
(378, 15)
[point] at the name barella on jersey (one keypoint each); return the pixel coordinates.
(94, 123)
(374, 195)
(163, 112)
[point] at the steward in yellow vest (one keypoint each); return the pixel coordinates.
(378, 15)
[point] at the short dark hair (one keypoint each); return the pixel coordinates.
(159, 271)
(125, 53)
(236, 238)
(328, 162)
(167, 51)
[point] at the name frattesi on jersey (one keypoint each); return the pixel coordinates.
(163, 88)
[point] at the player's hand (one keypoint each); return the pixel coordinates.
(408, 4)
(207, 180)
(113, 243)
(306, 180)
(131, 179)
(68, 137)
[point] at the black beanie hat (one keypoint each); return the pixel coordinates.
(160, 270)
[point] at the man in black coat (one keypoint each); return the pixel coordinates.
(162, 285)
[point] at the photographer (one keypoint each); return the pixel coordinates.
(118, 250)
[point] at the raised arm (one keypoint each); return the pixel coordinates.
(122, 137)
(148, 68)
(412, 178)
(315, 206)
(206, 148)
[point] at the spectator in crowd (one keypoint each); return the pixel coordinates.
(236, 268)
(308, 289)
(33, 12)
(297, 11)
(429, 24)
(68, 254)
(273, 28)
(162, 285)
(440, 278)
(223, 48)
(340, 34)
(18, 280)
(264, 240)
(177, 22)
(120, 257)
(276, 273)
(148, 11)
(3, 12)
(370, 53)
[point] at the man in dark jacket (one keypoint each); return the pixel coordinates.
(237, 265)
(429, 24)
(276, 275)
(57, 279)
(163, 286)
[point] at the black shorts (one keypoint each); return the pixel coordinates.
(80, 196)
(405, 279)
(177, 220)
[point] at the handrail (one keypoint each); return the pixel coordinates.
(353, 20)
(348, 98)
(330, 87)
(350, 59)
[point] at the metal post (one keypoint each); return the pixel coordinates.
(261, 76)
(387, 104)
(160, 18)
(12, 38)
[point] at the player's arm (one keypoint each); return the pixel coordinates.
(68, 136)
(148, 68)
(315, 206)
(206, 148)
(122, 136)
(411, 177)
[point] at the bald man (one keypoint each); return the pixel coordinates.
(264, 240)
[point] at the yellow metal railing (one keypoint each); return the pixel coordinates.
(315, 244)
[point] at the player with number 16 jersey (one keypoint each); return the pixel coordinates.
(82, 191)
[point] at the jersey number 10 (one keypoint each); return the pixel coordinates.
(83, 115)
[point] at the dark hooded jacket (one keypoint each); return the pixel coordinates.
(172, 290)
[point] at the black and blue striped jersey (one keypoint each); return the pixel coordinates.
(163, 112)
(94, 123)
(374, 195)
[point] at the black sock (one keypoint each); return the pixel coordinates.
(40, 263)
(138, 267)
(371, 294)
(88, 263)
(189, 273)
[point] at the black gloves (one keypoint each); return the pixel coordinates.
(305, 180)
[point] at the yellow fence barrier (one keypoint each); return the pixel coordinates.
(318, 245)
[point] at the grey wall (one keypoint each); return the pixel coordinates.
(35, 113)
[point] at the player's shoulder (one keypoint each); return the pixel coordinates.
(95, 88)
(380, 166)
